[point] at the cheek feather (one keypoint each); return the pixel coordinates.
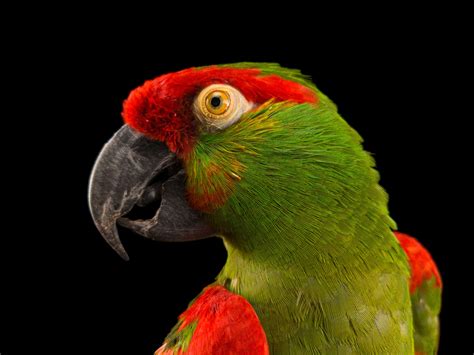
(210, 186)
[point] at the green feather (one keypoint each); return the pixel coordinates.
(178, 340)
(426, 304)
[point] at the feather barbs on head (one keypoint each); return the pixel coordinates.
(163, 110)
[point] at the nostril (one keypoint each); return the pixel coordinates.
(151, 193)
(146, 208)
(150, 201)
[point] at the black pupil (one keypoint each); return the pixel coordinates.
(216, 101)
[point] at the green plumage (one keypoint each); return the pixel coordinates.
(307, 230)
(426, 305)
(179, 340)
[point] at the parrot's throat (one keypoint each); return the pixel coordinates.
(295, 295)
(293, 276)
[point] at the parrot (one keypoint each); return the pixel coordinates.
(257, 155)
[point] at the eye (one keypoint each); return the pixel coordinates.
(217, 102)
(218, 106)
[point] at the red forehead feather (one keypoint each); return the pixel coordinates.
(162, 108)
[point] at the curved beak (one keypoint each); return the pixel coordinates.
(134, 171)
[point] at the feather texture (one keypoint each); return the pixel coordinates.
(297, 201)
(308, 234)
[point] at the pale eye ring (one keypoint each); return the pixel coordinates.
(218, 106)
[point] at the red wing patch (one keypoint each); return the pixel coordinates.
(225, 324)
(421, 263)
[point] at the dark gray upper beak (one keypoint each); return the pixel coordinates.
(123, 176)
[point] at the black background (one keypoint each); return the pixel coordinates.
(65, 291)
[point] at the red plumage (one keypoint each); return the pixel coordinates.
(422, 264)
(162, 108)
(226, 324)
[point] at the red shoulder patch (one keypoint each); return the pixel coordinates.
(422, 264)
(226, 324)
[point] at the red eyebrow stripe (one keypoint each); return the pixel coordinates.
(259, 88)
(162, 108)
(255, 86)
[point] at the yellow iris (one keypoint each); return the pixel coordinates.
(217, 102)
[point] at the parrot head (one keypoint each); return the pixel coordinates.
(251, 152)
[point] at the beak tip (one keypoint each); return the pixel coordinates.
(111, 236)
(119, 249)
(124, 256)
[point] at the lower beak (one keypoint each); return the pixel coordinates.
(134, 171)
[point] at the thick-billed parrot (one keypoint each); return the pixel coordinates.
(257, 155)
